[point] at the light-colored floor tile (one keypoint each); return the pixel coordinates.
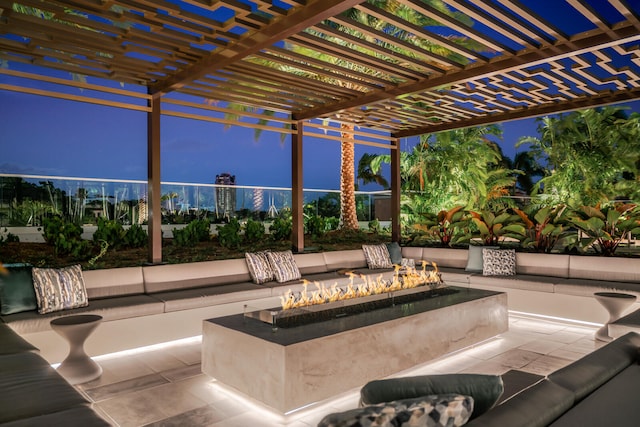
(545, 365)
(567, 353)
(160, 361)
(542, 346)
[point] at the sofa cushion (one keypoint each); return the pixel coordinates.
(213, 295)
(109, 308)
(259, 266)
(498, 262)
(34, 386)
(12, 342)
(112, 282)
(615, 403)
(59, 288)
(536, 406)
(539, 264)
(377, 256)
(77, 416)
(311, 263)
(16, 289)
(525, 282)
(170, 277)
(474, 260)
(586, 287)
(616, 269)
(484, 389)
(448, 410)
(284, 266)
(596, 368)
(446, 257)
(412, 252)
(336, 260)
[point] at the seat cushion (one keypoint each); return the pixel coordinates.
(213, 295)
(12, 342)
(78, 416)
(484, 389)
(31, 387)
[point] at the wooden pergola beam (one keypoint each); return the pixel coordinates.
(297, 21)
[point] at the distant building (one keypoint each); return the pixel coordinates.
(225, 196)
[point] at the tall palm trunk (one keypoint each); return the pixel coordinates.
(349, 217)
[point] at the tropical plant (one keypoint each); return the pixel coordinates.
(366, 175)
(606, 226)
(314, 225)
(374, 226)
(492, 228)
(546, 227)
(444, 226)
(591, 156)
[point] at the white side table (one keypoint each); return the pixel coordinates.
(77, 367)
(615, 303)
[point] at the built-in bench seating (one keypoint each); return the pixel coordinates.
(548, 284)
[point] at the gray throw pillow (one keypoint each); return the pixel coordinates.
(16, 290)
(474, 260)
(395, 252)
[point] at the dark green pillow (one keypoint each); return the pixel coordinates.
(16, 290)
(484, 389)
(395, 253)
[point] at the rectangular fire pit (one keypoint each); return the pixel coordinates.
(287, 368)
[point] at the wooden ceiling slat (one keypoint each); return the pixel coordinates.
(527, 14)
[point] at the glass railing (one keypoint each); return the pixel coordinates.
(26, 199)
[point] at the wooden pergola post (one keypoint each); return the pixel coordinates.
(297, 218)
(153, 181)
(395, 190)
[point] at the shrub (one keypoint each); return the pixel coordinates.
(253, 231)
(229, 234)
(196, 231)
(9, 238)
(281, 228)
(374, 226)
(111, 232)
(66, 237)
(136, 237)
(314, 225)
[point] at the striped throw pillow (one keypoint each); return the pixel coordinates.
(377, 256)
(59, 289)
(284, 266)
(259, 267)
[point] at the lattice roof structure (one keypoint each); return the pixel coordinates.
(307, 59)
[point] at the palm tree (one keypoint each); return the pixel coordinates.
(592, 155)
(366, 174)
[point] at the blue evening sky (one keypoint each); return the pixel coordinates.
(47, 136)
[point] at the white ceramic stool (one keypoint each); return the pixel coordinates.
(78, 367)
(615, 303)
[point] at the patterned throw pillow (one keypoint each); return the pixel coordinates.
(448, 410)
(498, 262)
(259, 267)
(284, 266)
(59, 289)
(377, 256)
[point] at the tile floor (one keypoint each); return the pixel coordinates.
(164, 386)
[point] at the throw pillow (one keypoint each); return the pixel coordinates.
(16, 290)
(484, 389)
(284, 266)
(259, 267)
(59, 289)
(498, 262)
(448, 410)
(377, 256)
(395, 253)
(474, 260)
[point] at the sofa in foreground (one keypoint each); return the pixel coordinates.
(33, 393)
(600, 389)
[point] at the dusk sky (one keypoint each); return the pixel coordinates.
(47, 136)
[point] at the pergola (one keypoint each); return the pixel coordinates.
(305, 67)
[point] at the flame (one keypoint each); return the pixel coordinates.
(361, 285)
